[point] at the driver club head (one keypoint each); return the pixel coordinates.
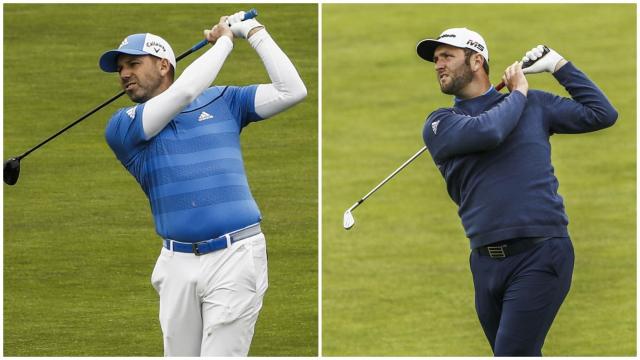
(348, 220)
(11, 171)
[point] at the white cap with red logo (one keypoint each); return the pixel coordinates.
(458, 37)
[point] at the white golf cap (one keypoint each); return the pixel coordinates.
(138, 44)
(458, 37)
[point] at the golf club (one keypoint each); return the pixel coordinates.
(348, 220)
(525, 65)
(12, 166)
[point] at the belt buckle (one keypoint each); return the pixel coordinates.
(194, 247)
(497, 252)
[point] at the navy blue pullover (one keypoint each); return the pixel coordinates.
(494, 154)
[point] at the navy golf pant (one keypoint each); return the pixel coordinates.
(518, 297)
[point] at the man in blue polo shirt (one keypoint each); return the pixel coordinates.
(182, 144)
(494, 153)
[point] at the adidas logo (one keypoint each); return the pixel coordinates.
(204, 116)
(132, 112)
(434, 127)
(123, 43)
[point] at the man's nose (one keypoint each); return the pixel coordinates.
(125, 74)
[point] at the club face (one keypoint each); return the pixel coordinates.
(11, 171)
(348, 220)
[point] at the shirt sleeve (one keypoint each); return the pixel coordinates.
(588, 110)
(286, 88)
(448, 134)
(241, 103)
(124, 133)
(195, 79)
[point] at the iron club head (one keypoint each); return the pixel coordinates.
(348, 220)
(11, 171)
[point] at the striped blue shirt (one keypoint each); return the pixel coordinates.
(192, 171)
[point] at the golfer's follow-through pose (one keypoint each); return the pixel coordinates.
(181, 143)
(494, 153)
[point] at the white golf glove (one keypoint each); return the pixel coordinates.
(242, 28)
(547, 63)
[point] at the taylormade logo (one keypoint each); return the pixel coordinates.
(475, 44)
(446, 36)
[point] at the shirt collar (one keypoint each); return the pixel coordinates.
(457, 100)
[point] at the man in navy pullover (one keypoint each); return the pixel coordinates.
(494, 153)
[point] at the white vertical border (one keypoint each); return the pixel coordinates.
(637, 181)
(320, 178)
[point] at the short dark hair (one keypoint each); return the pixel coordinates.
(467, 59)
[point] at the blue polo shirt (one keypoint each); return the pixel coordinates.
(494, 154)
(192, 171)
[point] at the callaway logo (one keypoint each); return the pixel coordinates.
(204, 116)
(123, 43)
(475, 44)
(446, 35)
(156, 46)
(434, 127)
(132, 112)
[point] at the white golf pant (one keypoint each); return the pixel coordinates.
(209, 304)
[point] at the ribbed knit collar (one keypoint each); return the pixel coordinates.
(478, 104)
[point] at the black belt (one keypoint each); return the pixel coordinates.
(503, 249)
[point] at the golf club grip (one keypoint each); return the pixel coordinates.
(525, 65)
(247, 15)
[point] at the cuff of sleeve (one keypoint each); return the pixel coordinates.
(225, 43)
(519, 92)
(258, 36)
(564, 72)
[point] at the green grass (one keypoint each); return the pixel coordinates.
(399, 282)
(79, 241)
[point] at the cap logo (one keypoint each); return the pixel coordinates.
(475, 44)
(445, 36)
(156, 46)
(123, 43)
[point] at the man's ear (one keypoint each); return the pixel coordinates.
(165, 67)
(477, 62)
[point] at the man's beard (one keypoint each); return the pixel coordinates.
(144, 91)
(459, 81)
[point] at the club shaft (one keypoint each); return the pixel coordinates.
(72, 124)
(389, 177)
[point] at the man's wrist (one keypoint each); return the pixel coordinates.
(560, 64)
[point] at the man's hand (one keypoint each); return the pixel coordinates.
(243, 29)
(514, 78)
(550, 62)
(218, 31)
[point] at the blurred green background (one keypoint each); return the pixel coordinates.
(399, 282)
(79, 240)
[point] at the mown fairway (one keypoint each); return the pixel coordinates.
(79, 240)
(399, 283)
